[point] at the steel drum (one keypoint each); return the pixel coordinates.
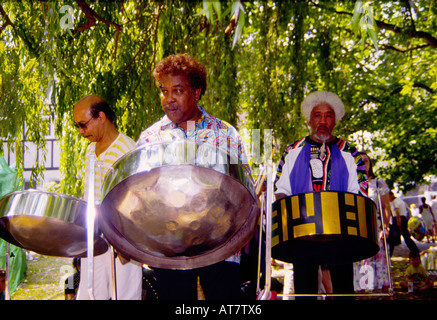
(47, 223)
(324, 227)
(178, 205)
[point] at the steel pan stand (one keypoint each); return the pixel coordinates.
(92, 210)
(8, 273)
(387, 255)
(90, 220)
(266, 219)
(113, 274)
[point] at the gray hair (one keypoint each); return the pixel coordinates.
(316, 98)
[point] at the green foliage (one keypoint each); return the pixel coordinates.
(262, 58)
(363, 23)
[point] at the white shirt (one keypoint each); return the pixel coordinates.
(400, 205)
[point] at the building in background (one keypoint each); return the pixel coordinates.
(33, 154)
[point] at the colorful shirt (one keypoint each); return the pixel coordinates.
(315, 163)
(207, 129)
(119, 147)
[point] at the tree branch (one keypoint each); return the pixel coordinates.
(389, 47)
(415, 85)
(423, 86)
(409, 32)
(7, 20)
(91, 17)
(382, 99)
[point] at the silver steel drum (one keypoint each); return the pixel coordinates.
(47, 223)
(178, 205)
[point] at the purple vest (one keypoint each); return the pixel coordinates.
(300, 175)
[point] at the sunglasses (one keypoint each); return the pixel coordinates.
(83, 125)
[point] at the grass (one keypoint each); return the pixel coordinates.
(399, 264)
(44, 279)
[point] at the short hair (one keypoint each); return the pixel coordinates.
(102, 106)
(414, 254)
(185, 65)
(370, 174)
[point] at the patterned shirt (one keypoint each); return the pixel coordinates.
(320, 166)
(207, 129)
(119, 147)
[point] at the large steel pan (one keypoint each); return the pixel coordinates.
(178, 205)
(324, 227)
(47, 223)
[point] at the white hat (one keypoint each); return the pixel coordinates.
(318, 97)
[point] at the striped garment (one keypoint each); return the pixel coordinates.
(119, 147)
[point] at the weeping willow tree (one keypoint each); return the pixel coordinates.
(262, 58)
(57, 53)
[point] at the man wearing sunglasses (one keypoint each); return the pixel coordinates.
(95, 121)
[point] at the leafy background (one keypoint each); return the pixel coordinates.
(262, 58)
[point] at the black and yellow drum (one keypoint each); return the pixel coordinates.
(324, 227)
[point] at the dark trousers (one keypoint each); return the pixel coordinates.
(306, 278)
(405, 234)
(219, 281)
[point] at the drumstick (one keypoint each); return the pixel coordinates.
(260, 182)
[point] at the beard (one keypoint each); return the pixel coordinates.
(325, 136)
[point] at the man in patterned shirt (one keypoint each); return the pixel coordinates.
(181, 80)
(95, 121)
(320, 162)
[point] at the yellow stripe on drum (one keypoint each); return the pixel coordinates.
(349, 199)
(352, 231)
(351, 215)
(330, 213)
(361, 208)
(309, 200)
(284, 220)
(302, 230)
(295, 209)
(275, 241)
(274, 214)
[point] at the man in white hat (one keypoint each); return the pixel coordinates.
(321, 162)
